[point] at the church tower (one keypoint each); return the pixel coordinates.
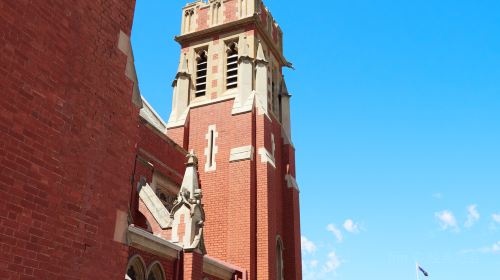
(232, 108)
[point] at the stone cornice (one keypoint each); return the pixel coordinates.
(141, 239)
(215, 30)
(218, 268)
(270, 43)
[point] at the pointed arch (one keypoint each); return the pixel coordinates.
(136, 268)
(279, 258)
(156, 271)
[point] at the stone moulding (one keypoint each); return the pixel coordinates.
(291, 182)
(154, 205)
(141, 239)
(266, 157)
(242, 153)
(218, 268)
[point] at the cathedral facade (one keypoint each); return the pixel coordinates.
(95, 185)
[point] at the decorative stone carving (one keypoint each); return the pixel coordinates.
(167, 199)
(201, 54)
(231, 46)
(188, 216)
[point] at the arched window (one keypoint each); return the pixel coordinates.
(201, 73)
(216, 13)
(279, 259)
(135, 269)
(156, 272)
(232, 66)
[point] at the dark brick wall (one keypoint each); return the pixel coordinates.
(68, 131)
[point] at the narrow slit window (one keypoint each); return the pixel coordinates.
(201, 74)
(279, 259)
(232, 66)
(211, 149)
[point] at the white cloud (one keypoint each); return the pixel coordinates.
(493, 249)
(333, 229)
(472, 216)
(325, 269)
(447, 220)
(313, 263)
(496, 218)
(351, 227)
(437, 195)
(333, 262)
(307, 245)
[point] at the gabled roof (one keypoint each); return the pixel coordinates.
(151, 116)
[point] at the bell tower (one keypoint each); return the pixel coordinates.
(232, 107)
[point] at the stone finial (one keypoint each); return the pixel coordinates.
(188, 216)
(183, 66)
(260, 54)
(190, 180)
(192, 159)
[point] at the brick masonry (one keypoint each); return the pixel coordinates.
(68, 130)
(247, 203)
(73, 148)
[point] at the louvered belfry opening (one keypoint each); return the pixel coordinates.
(201, 74)
(232, 66)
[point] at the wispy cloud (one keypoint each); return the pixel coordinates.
(314, 269)
(313, 263)
(336, 232)
(493, 249)
(447, 220)
(351, 226)
(472, 216)
(496, 218)
(307, 245)
(333, 262)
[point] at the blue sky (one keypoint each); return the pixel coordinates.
(397, 130)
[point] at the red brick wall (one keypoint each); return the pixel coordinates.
(156, 153)
(247, 203)
(180, 135)
(68, 130)
(193, 265)
(230, 10)
(202, 22)
(214, 198)
(165, 155)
